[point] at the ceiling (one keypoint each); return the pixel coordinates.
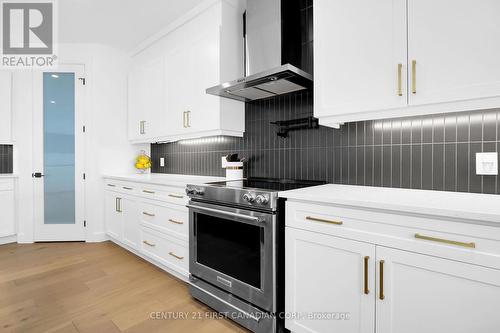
(123, 24)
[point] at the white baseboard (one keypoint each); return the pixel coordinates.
(8, 239)
(97, 237)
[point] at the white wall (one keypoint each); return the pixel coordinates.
(107, 148)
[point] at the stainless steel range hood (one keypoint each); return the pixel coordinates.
(266, 75)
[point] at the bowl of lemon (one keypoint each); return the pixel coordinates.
(143, 162)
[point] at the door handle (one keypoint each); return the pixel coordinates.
(175, 222)
(184, 119)
(413, 76)
(175, 256)
(148, 214)
(37, 175)
(400, 83)
(119, 205)
(223, 212)
(381, 280)
(366, 290)
(188, 117)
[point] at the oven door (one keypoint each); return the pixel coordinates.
(233, 249)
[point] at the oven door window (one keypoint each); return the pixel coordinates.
(230, 247)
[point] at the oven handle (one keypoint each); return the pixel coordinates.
(249, 315)
(241, 216)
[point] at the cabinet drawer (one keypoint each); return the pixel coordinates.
(120, 187)
(170, 252)
(6, 184)
(165, 217)
(479, 244)
(173, 195)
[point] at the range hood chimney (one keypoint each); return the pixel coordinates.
(270, 31)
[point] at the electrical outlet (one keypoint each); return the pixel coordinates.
(487, 164)
(162, 161)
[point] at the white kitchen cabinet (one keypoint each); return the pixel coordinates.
(359, 51)
(114, 227)
(396, 58)
(192, 60)
(7, 208)
(434, 295)
(329, 275)
(146, 102)
(5, 107)
(130, 220)
(455, 46)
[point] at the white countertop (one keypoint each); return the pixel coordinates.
(469, 206)
(164, 179)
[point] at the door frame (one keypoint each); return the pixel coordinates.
(59, 232)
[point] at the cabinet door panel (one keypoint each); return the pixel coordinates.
(179, 80)
(358, 45)
(7, 207)
(131, 233)
(5, 107)
(112, 215)
(455, 45)
(326, 274)
(435, 295)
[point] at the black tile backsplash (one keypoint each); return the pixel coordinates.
(6, 159)
(435, 152)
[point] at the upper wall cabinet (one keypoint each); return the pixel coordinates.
(5, 107)
(167, 99)
(394, 58)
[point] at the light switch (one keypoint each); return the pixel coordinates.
(487, 164)
(162, 161)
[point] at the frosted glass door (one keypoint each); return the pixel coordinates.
(59, 147)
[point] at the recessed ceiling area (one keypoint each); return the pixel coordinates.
(122, 24)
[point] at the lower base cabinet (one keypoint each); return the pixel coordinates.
(335, 284)
(327, 275)
(7, 208)
(150, 225)
(435, 295)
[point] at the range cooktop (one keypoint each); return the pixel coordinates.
(261, 193)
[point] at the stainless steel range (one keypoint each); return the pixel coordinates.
(236, 259)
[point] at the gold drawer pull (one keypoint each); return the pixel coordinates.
(413, 76)
(148, 214)
(175, 256)
(149, 244)
(176, 196)
(381, 280)
(366, 290)
(149, 192)
(446, 241)
(174, 221)
(310, 218)
(400, 85)
(111, 185)
(127, 188)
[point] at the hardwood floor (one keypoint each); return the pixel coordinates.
(79, 287)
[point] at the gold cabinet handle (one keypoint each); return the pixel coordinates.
(176, 196)
(400, 83)
(142, 126)
(184, 117)
(149, 192)
(149, 244)
(188, 116)
(127, 188)
(381, 281)
(174, 221)
(148, 214)
(413, 76)
(446, 241)
(366, 290)
(175, 256)
(316, 219)
(111, 185)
